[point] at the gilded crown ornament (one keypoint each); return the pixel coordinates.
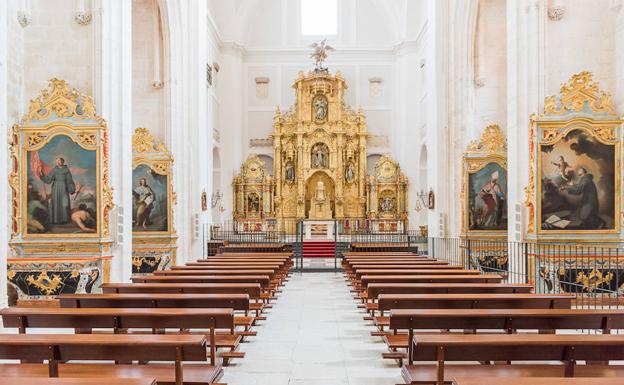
(492, 140)
(580, 91)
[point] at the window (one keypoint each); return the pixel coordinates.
(319, 17)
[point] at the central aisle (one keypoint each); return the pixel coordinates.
(314, 335)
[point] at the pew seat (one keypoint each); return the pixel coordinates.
(92, 350)
(536, 381)
(76, 381)
(541, 350)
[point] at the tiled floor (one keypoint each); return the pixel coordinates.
(314, 335)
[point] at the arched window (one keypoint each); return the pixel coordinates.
(319, 17)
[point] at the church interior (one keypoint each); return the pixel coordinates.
(302, 192)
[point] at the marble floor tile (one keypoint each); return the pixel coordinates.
(314, 335)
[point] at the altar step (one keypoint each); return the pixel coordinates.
(319, 249)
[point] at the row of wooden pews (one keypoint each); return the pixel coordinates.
(478, 330)
(180, 326)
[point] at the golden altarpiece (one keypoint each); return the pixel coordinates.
(61, 196)
(153, 232)
(319, 154)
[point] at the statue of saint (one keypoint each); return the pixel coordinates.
(290, 172)
(349, 173)
(320, 195)
(319, 156)
(320, 109)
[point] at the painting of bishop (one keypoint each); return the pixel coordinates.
(62, 187)
(487, 204)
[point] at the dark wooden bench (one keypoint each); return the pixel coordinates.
(536, 381)
(540, 348)
(57, 348)
(84, 320)
(373, 290)
(238, 302)
(508, 320)
(388, 302)
(254, 290)
(77, 381)
(483, 278)
(263, 280)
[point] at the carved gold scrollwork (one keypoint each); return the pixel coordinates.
(492, 141)
(580, 91)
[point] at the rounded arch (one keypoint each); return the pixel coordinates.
(268, 163)
(371, 161)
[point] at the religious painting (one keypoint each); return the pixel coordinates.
(149, 200)
(61, 193)
(487, 198)
(577, 183)
(320, 156)
(253, 203)
(319, 109)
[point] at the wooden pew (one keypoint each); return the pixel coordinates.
(541, 348)
(508, 320)
(238, 302)
(482, 278)
(536, 381)
(120, 319)
(76, 381)
(373, 290)
(243, 271)
(263, 280)
(415, 302)
(57, 348)
(254, 290)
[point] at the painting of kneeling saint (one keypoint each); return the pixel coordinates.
(487, 200)
(577, 184)
(149, 200)
(61, 190)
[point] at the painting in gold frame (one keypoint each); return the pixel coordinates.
(152, 188)
(574, 187)
(484, 185)
(59, 176)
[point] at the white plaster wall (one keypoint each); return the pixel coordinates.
(56, 46)
(148, 102)
(584, 39)
(490, 66)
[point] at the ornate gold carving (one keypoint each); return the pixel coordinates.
(529, 191)
(63, 101)
(492, 141)
(580, 91)
(594, 279)
(44, 283)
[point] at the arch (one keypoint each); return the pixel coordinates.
(268, 163)
(371, 161)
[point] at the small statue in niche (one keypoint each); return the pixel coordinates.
(320, 108)
(319, 156)
(349, 173)
(320, 195)
(290, 172)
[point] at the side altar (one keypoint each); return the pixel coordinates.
(319, 160)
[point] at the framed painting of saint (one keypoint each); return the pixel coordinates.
(150, 192)
(484, 185)
(61, 187)
(487, 198)
(577, 183)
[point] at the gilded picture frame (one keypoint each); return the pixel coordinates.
(575, 145)
(59, 177)
(484, 185)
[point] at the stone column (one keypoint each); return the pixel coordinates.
(113, 97)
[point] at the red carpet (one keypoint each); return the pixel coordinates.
(319, 249)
